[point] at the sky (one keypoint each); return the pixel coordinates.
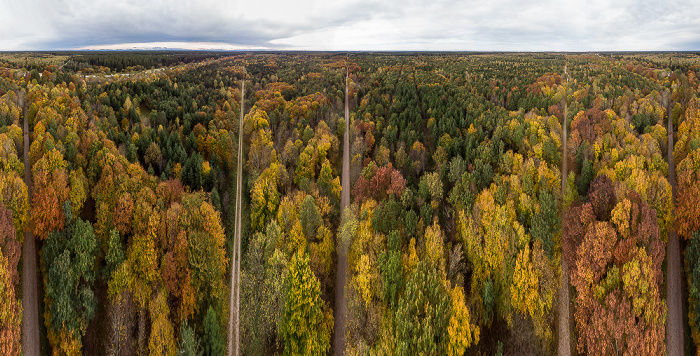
(351, 25)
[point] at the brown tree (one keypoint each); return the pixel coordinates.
(10, 312)
(9, 245)
(615, 266)
(50, 191)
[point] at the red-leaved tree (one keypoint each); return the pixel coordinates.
(615, 256)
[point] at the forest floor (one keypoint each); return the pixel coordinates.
(234, 298)
(674, 303)
(564, 326)
(30, 302)
(342, 270)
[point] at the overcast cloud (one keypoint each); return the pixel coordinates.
(471, 25)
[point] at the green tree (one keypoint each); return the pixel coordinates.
(115, 253)
(692, 258)
(310, 217)
(212, 339)
(189, 345)
(392, 270)
(192, 172)
(303, 328)
(584, 181)
(545, 223)
(262, 283)
(423, 314)
(69, 259)
(206, 254)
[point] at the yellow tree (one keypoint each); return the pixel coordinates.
(265, 197)
(13, 194)
(305, 328)
(162, 338)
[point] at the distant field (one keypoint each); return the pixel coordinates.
(32, 58)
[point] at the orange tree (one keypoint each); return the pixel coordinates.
(613, 248)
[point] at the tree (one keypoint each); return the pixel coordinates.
(265, 197)
(601, 195)
(423, 314)
(115, 253)
(491, 240)
(692, 257)
(329, 184)
(50, 183)
(10, 312)
(392, 271)
(378, 183)
(261, 152)
(418, 157)
(9, 246)
(13, 194)
(617, 275)
(687, 212)
(162, 338)
(121, 319)
(585, 178)
(261, 287)
(304, 329)
(176, 271)
(212, 339)
(545, 222)
(206, 253)
(69, 259)
(306, 167)
(78, 190)
(460, 331)
(189, 345)
(310, 217)
(153, 155)
(192, 172)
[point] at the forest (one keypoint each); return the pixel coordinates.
(518, 203)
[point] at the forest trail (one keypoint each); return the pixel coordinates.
(342, 268)
(30, 302)
(674, 303)
(234, 298)
(564, 326)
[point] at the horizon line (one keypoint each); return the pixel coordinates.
(270, 50)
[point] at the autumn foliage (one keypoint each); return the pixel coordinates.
(10, 311)
(378, 183)
(454, 234)
(9, 244)
(687, 156)
(614, 253)
(50, 191)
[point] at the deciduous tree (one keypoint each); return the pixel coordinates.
(10, 312)
(9, 246)
(617, 274)
(50, 184)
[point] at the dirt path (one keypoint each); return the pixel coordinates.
(234, 298)
(674, 303)
(30, 305)
(564, 326)
(342, 268)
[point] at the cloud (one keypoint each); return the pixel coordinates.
(516, 25)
